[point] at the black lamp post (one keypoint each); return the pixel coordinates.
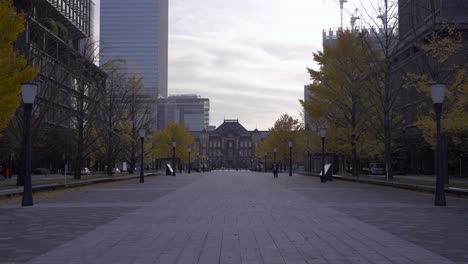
(256, 159)
(28, 92)
(174, 145)
(142, 133)
(438, 94)
(306, 159)
(405, 151)
(274, 155)
(189, 149)
(198, 161)
(265, 162)
(290, 144)
(323, 133)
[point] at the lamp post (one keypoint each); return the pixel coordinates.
(438, 94)
(274, 155)
(290, 144)
(189, 149)
(142, 133)
(265, 162)
(255, 157)
(174, 145)
(405, 156)
(323, 133)
(198, 161)
(28, 92)
(306, 159)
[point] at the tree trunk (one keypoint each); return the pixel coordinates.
(79, 150)
(132, 159)
(388, 132)
(109, 154)
(355, 170)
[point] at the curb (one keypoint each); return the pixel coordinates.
(406, 186)
(53, 186)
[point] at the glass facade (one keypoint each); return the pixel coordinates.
(137, 31)
(190, 110)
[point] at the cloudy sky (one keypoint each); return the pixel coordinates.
(249, 57)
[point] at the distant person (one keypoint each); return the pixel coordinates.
(6, 172)
(274, 168)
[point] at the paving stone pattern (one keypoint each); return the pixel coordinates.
(406, 214)
(26, 233)
(240, 217)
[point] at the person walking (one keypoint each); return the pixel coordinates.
(274, 168)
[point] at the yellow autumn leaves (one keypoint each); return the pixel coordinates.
(13, 67)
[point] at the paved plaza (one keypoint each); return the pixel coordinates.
(234, 217)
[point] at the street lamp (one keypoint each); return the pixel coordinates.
(274, 155)
(265, 162)
(142, 133)
(256, 159)
(28, 92)
(323, 133)
(290, 144)
(198, 161)
(174, 145)
(438, 94)
(189, 149)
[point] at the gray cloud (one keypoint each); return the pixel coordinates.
(241, 57)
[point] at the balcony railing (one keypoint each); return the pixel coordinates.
(75, 13)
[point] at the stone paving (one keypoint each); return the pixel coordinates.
(235, 217)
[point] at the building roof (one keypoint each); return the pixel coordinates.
(232, 126)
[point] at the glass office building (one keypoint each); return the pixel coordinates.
(137, 31)
(189, 110)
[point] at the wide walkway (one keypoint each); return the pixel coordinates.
(235, 217)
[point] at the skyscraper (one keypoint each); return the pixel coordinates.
(137, 31)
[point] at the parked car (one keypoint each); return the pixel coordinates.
(115, 170)
(85, 171)
(377, 168)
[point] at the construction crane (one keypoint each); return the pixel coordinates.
(354, 18)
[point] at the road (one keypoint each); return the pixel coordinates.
(234, 217)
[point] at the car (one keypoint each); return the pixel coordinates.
(85, 171)
(377, 168)
(115, 170)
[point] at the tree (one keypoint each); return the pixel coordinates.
(112, 111)
(340, 100)
(137, 116)
(286, 129)
(13, 67)
(384, 37)
(86, 106)
(162, 142)
(443, 65)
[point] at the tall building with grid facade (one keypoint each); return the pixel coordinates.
(189, 110)
(137, 31)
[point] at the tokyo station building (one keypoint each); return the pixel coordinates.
(229, 146)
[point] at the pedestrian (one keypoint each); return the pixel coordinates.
(274, 168)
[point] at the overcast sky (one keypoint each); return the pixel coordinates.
(249, 57)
